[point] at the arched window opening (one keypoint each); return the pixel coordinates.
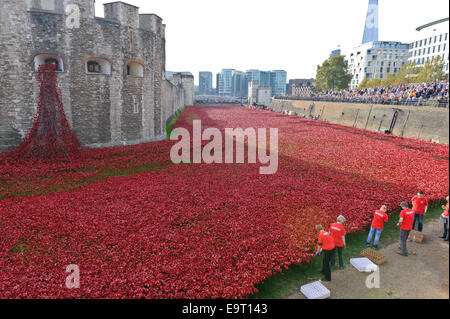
(135, 69)
(98, 66)
(94, 67)
(49, 59)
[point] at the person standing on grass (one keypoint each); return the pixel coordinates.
(445, 219)
(337, 231)
(420, 207)
(325, 246)
(379, 218)
(406, 224)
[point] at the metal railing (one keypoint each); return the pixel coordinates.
(441, 102)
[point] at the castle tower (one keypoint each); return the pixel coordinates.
(371, 27)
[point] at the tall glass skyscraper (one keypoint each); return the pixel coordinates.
(225, 82)
(278, 80)
(205, 82)
(371, 27)
(263, 77)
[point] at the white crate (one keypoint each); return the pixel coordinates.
(363, 264)
(315, 290)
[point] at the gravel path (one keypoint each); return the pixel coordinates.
(421, 276)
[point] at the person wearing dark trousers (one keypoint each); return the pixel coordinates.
(420, 207)
(326, 247)
(406, 224)
(445, 219)
(337, 231)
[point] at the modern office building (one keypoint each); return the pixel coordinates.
(239, 84)
(263, 77)
(278, 80)
(375, 60)
(335, 53)
(432, 40)
(225, 82)
(231, 82)
(205, 82)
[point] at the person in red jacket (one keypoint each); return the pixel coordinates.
(406, 224)
(379, 218)
(337, 231)
(325, 246)
(445, 219)
(420, 207)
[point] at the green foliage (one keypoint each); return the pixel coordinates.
(333, 74)
(432, 71)
(169, 126)
(410, 73)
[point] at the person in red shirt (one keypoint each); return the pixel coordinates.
(325, 245)
(337, 231)
(379, 218)
(406, 224)
(420, 207)
(445, 219)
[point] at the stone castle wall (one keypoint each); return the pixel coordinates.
(115, 107)
(418, 122)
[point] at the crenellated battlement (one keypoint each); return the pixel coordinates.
(123, 13)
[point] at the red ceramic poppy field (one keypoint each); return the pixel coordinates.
(139, 226)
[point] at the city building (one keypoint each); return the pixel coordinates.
(335, 53)
(375, 60)
(299, 83)
(278, 80)
(239, 84)
(259, 95)
(205, 82)
(225, 82)
(232, 83)
(371, 26)
(263, 77)
(111, 70)
(432, 41)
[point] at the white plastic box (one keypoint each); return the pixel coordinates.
(315, 290)
(363, 264)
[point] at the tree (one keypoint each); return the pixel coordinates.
(432, 71)
(407, 74)
(333, 74)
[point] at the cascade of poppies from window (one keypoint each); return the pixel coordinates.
(50, 136)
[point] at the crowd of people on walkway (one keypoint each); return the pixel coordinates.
(333, 241)
(400, 94)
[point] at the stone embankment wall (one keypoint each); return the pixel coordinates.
(418, 122)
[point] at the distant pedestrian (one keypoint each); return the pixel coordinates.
(379, 218)
(420, 207)
(337, 231)
(326, 247)
(445, 219)
(406, 224)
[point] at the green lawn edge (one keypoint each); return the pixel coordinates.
(287, 282)
(170, 125)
